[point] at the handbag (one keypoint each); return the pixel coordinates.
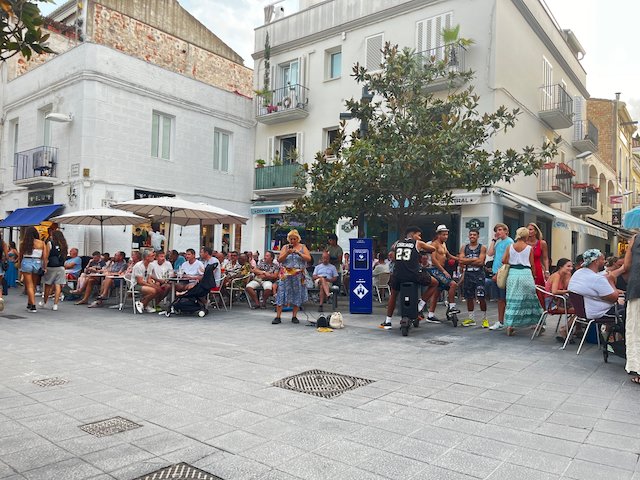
(501, 276)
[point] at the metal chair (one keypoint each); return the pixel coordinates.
(131, 291)
(382, 283)
(553, 309)
(217, 292)
(235, 286)
(577, 301)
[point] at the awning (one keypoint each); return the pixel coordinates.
(561, 219)
(621, 232)
(269, 207)
(26, 217)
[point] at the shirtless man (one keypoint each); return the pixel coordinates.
(407, 269)
(439, 258)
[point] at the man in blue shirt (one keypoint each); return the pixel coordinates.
(499, 244)
(324, 276)
(73, 265)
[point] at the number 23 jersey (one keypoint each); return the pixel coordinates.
(407, 262)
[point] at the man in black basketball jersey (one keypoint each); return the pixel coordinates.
(472, 257)
(407, 269)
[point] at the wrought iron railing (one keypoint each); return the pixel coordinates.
(584, 195)
(281, 99)
(37, 162)
(453, 55)
(555, 97)
(555, 177)
(277, 176)
(585, 130)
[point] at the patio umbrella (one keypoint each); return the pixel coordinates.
(100, 216)
(179, 211)
(631, 219)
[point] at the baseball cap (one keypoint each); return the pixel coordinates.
(442, 228)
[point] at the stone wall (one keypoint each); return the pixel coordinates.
(600, 112)
(19, 65)
(133, 37)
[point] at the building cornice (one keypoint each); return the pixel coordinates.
(551, 46)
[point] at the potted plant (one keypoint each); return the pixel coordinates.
(260, 163)
(293, 156)
(277, 160)
(453, 42)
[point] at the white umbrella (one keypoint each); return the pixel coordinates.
(100, 216)
(180, 211)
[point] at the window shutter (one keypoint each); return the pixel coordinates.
(302, 70)
(216, 150)
(420, 36)
(374, 52)
(299, 146)
(270, 149)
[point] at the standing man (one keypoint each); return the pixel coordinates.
(499, 245)
(472, 257)
(439, 258)
(335, 251)
(407, 269)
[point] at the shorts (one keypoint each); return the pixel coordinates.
(443, 280)
(423, 278)
(497, 293)
(316, 282)
(473, 282)
(31, 265)
(137, 288)
(55, 276)
(257, 283)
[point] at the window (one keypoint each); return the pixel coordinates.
(44, 125)
(373, 47)
(289, 149)
(429, 35)
(547, 85)
(221, 142)
(289, 73)
(16, 131)
(161, 132)
(331, 135)
(334, 69)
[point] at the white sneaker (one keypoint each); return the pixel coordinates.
(139, 307)
(150, 309)
(421, 305)
(41, 304)
(55, 307)
(496, 326)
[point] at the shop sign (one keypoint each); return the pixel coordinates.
(615, 199)
(266, 210)
(140, 194)
(42, 197)
(616, 216)
(465, 199)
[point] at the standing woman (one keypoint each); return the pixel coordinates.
(4, 265)
(34, 255)
(291, 287)
(11, 275)
(632, 327)
(55, 277)
(540, 257)
(523, 307)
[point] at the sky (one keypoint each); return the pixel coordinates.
(606, 30)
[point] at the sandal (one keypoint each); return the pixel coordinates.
(511, 331)
(636, 380)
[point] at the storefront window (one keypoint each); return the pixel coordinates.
(148, 236)
(226, 237)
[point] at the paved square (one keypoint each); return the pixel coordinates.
(446, 403)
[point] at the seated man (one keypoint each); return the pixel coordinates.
(176, 260)
(230, 266)
(191, 270)
(207, 257)
(116, 267)
(94, 266)
(266, 274)
(324, 276)
(237, 269)
(145, 284)
(135, 258)
(161, 271)
(73, 265)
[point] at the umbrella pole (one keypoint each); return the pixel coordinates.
(101, 235)
(169, 231)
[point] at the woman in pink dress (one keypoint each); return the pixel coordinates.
(540, 257)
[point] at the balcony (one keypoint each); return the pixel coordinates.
(585, 136)
(556, 108)
(282, 105)
(554, 183)
(36, 168)
(584, 199)
(454, 57)
(278, 181)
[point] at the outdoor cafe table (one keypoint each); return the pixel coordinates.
(174, 281)
(120, 290)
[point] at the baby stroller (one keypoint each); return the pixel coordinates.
(195, 299)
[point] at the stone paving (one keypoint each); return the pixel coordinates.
(472, 404)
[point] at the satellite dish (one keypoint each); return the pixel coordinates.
(59, 117)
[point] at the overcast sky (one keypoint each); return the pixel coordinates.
(606, 30)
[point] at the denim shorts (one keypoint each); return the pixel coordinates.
(30, 265)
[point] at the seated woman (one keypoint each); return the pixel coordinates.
(380, 267)
(558, 282)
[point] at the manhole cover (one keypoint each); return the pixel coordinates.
(180, 471)
(12, 317)
(110, 426)
(50, 382)
(321, 383)
(438, 342)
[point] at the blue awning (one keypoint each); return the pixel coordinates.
(26, 217)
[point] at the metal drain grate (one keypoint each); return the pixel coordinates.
(321, 383)
(180, 471)
(50, 382)
(110, 426)
(438, 342)
(12, 317)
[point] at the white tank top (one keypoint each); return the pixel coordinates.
(519, 258)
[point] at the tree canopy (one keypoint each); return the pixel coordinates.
(20, 27)
(418, 147)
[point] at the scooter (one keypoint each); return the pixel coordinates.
(408, 307)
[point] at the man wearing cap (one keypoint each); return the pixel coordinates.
(439, 260)
(499, 244)
(599, 295)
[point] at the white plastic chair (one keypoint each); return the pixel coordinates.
(382, 284)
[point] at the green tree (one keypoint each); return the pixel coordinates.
(418, 147)
(20, 25)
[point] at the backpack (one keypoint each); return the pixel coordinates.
(55, 257)
(336, 321)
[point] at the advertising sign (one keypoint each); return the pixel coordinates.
(360, 279)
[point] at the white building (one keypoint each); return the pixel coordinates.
(93, 126)
(521, 59)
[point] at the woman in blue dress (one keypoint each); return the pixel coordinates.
(291, 286)
(11, 275)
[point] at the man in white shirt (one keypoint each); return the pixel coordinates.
(207, 258)
(161, 271)
(143, 283)
(192, 270)
(599, 295)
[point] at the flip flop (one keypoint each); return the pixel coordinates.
(636, 380)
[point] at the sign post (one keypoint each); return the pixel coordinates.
(360, 279)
